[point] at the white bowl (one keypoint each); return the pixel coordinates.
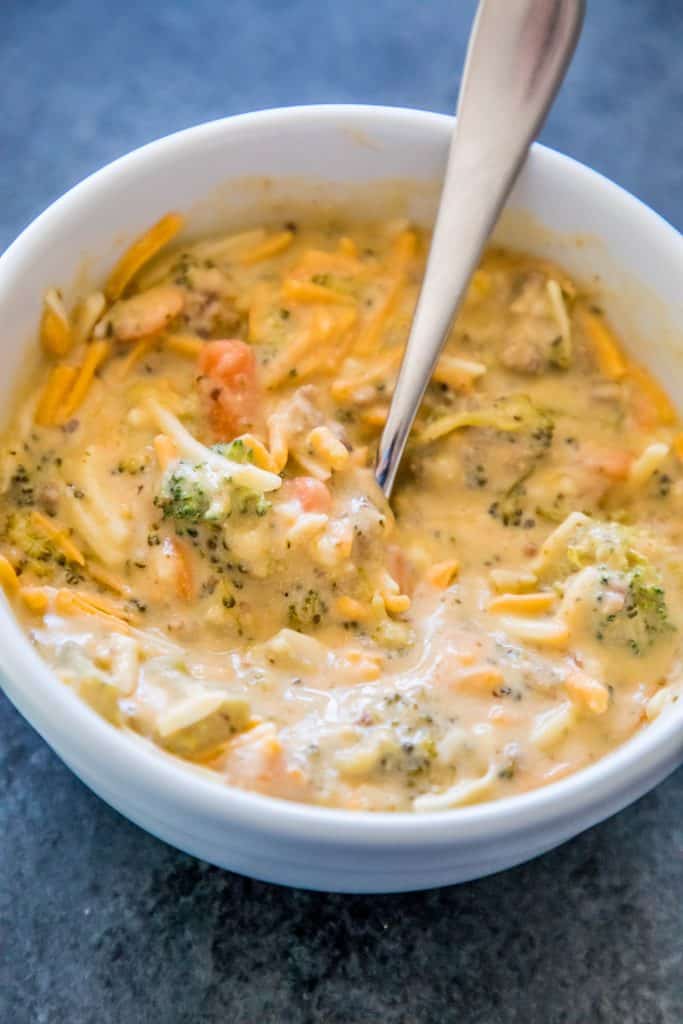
(569, 213)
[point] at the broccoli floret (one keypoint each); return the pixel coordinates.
(198, 492)
(510, 508)
(236, 451)
(580, 541)
(647, 610)
(510, 414)
(245, 500)
(132, 465)
(182, 496)
(21, 487)
(644, 617)
(306, 612)
(251, 501)
(223, 483)
(37, 550)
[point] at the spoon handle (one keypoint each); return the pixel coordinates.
(517, 56)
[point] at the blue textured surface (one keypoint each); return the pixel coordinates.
(100, 922)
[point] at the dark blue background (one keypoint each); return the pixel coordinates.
(101, 923)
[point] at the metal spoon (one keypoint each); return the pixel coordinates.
(518, 53)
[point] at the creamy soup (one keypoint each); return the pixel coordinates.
(192, 535)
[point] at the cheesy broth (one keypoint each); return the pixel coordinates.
(192, 535)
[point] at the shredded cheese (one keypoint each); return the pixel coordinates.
(140, 252)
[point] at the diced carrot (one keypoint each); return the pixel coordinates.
(230, 387)
(613, 462)
(312, 494)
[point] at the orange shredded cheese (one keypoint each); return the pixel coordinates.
(140, 252)
(55, 330)
(95, 356)
(58, 535)
(272, 246)
(58, 383)
(607, 350)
